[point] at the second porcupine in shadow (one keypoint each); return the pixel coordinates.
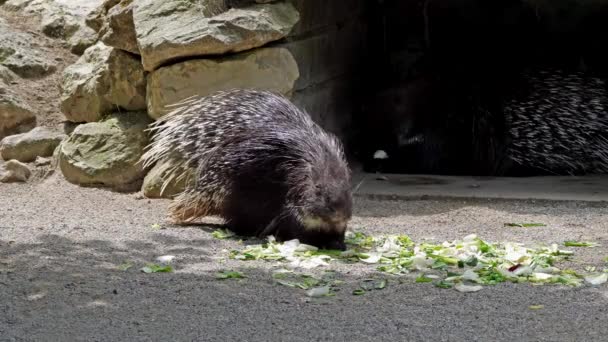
(259, 162)
(545, 122)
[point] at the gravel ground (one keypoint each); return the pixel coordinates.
(60, 246)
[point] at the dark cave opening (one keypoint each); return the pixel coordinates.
(447, 88)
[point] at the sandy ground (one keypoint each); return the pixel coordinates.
(60, 246)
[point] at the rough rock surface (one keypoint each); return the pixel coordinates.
(64, 19)
(6, 75)
(25, 147)
(118, 29)
(264, 68)
(96, 18)
(14, 171)
(18, 55)
(175, 29)
(106, 153)
(153, 183)
(102, 80)
(15, 115)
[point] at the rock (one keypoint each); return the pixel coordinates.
(64, 19)
(42, 161)
(82, 40)
(15, 115)
(6, 75)
(265, 68)
(118, 29)
(19, 56)
(14, 171)
(56, 24)
(200, 28)
(154, 180)
(69, 126)
(106, 153)
(25, 147)
(97, 17)
(102, 80)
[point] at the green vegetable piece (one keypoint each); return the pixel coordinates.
(222, 234)
(423, 279)
(359, 292)
(579, 244)
(444, 284)
(471, 261)
(229, 275)
(153, 268)
(125, 266)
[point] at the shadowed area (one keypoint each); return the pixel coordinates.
(61, 248)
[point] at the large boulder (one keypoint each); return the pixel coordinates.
(15, 115)
(118, 29)
(106, 153)
(25, 147)
(175, 29)
(102, 80)
(18, 55)
(14, 171)
(264, 68)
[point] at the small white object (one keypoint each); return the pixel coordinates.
(318, 291)
(165, 258)
(467, 288)
(372, 258)
(541, 276)
(380, 154)
(597, 279)
(470, 275)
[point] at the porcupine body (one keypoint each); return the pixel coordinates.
(257, 161)
(547, 122)
(560, 126)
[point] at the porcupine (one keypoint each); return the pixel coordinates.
(546, 122)
(259, 162)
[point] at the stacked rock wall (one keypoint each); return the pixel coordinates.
(151, 54)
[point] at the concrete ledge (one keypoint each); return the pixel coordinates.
(589, 188)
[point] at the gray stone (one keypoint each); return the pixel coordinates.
(42, 161)
(265, 68)
(6, 75)
(82, 40)
(118, 29)
(175, 29)
(15, 115)
(103, 80)
(97, 17)
(106, 153)
(19, 56)
(64, 19)
(154, 181)
(25, 147)
(14, 171)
